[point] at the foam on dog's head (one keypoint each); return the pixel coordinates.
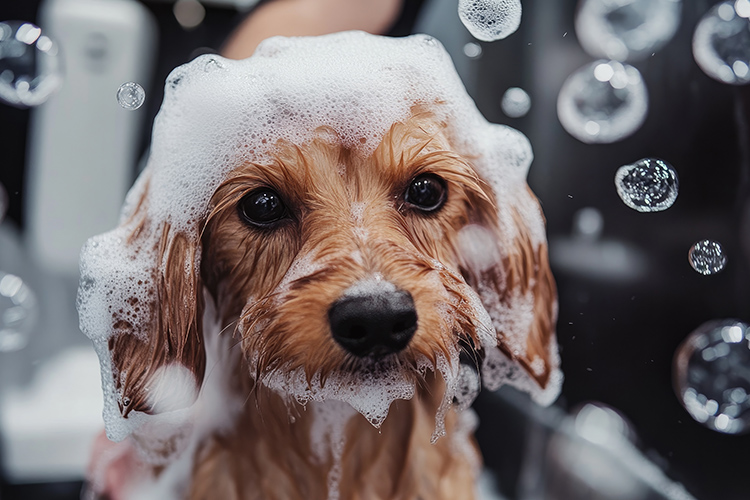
(218, 114)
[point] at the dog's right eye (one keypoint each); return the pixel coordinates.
(427, 192)
(262, 207)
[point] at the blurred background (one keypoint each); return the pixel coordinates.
(653, 290)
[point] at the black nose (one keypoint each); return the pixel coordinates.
(374, 324)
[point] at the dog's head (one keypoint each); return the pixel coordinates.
(353, 229)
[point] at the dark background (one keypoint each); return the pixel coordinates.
(617, 337)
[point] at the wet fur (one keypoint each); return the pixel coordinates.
(349, 219)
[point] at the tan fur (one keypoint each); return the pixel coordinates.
(270, 457)
(349, 219)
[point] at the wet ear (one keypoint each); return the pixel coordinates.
(164, 339)
(516, 286)
(531, 287)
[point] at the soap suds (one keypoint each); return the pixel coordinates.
(327, 435)
(201, 419)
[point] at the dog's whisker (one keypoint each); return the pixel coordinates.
(228, 326)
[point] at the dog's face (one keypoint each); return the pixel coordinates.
(333, 262)
(342, 270)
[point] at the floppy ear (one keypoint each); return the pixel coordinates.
(531, 286)
(517, 290)
(165, 331)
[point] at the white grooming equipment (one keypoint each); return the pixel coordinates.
(83, 145)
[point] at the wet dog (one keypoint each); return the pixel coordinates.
(307, 343)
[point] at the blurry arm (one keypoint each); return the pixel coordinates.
(309, 17)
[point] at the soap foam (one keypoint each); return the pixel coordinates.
(370, 391)
(327, 436)
(478, 248)
(218, 114)
(190, 426)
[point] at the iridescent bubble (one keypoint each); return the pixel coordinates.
(711, 375)
(490, 20)
(516, 102)
(721, 42)
(30, 69)
(707, 257)
(3, 202)
(649, 185)
(626, 30)
(18, 312)
(130, 95)
(602, 102)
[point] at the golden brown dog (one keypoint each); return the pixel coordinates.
(309, 339)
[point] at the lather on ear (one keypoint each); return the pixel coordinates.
(173, 315)
(518, 290)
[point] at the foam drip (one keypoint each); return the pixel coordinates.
(449, 370)
(191, 426)
(327, 437)
(370, 391)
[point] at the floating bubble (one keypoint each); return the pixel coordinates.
(473, 50)
(30, 69)
(602, 102)
(3, 202)
(721, 42)
(649, 185)
(516, 102)
(626, 30)
(130, 95)
(171, 388)
(711, 376)
(490, 20)
(707, 257)
(18, 312)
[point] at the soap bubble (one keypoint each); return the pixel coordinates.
(3, 202)
(516, 102)
(721, 42)
(602, 102)
(490, 20)
(18, 312)
(130, 95)
(30, 69)
(711, 375)
(626, 30)
(649, 185)
(707, 257)
(473, 50)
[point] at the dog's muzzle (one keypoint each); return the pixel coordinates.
(374, 324)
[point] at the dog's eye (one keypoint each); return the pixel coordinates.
(427, 192)
(262, 207)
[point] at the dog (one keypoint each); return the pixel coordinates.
(313, 324)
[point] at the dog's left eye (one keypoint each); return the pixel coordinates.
(427, 192)
(262, 207)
